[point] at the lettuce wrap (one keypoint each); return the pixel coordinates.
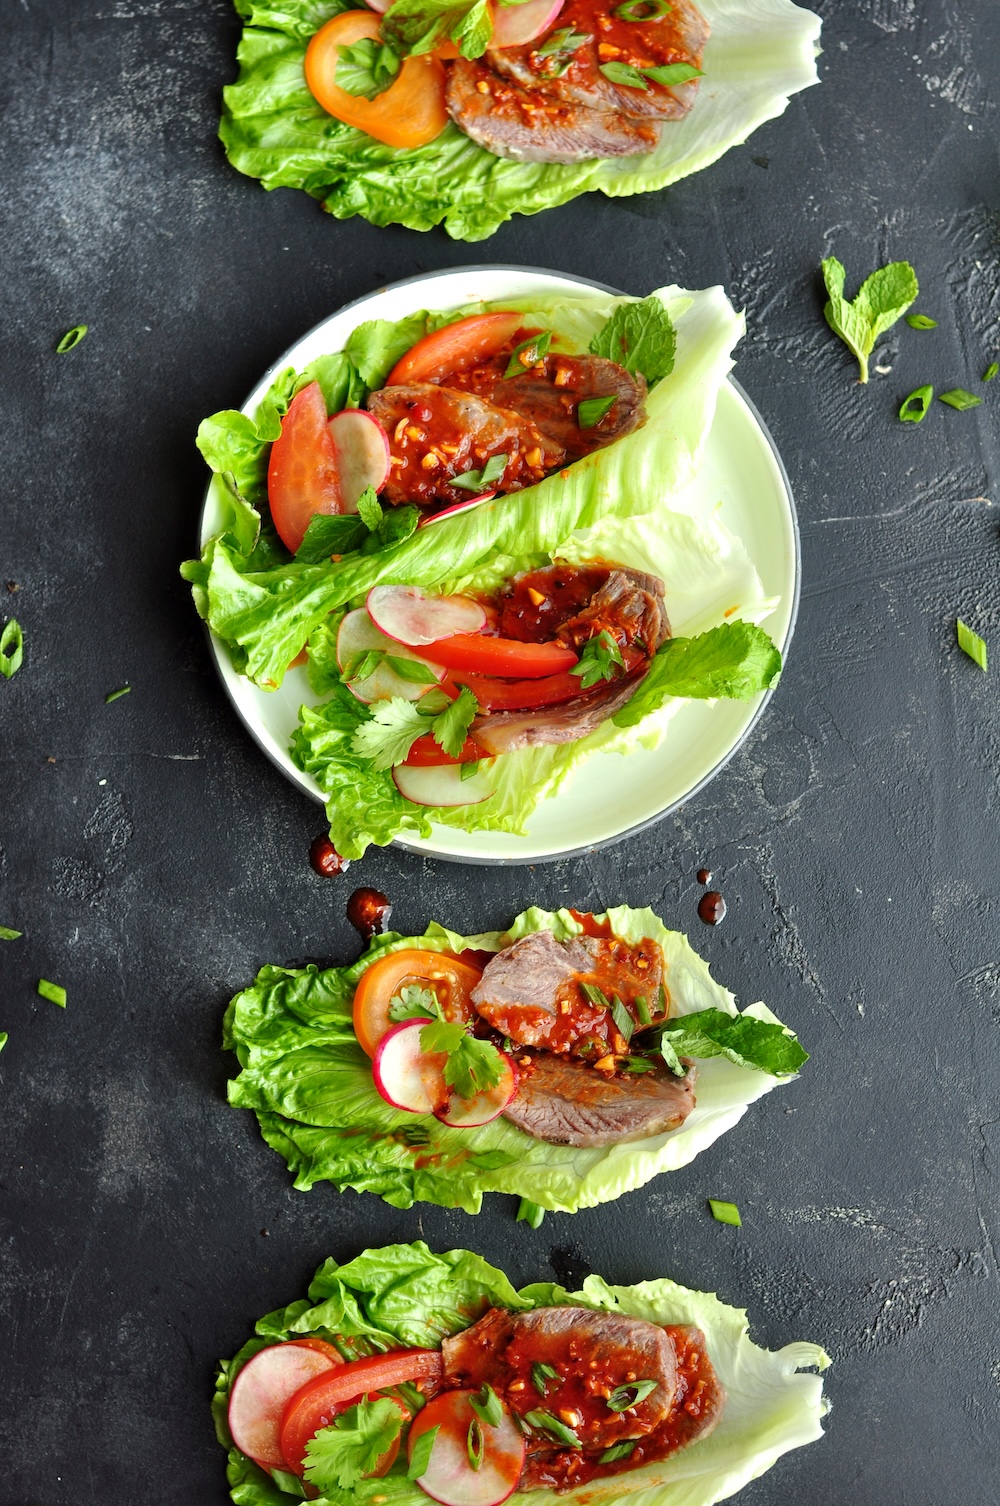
(759, 54)
(310, 1085)
(406, 1296)
(625, 503)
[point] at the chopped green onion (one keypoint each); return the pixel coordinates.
(971, 643)
(625, 74)
(641, 10)
(921, 321)
(642, 1010)
(363, 664)
(11, 649)
(52, 992)
(488, 1407)
(565, 40)
(725, 1213)
(595, 995)
(4, 1038)
(412, 670)
(638, 1064)
(624, 1022)
(475, 1444)
(541, 1374)
(475, 481)
(469, 770)
(671, 74)
(530, 1213)
(6, 934)
(661, 1000)
(917, 405)
(618, 1451)
(590, 412)
(421, 1456)
(71, 338)
(624, 1397)
(991, 371)
(529, 353)
(115, 695)
(960, 399)
(544, 1422)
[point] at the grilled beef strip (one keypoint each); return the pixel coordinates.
(566, 1102)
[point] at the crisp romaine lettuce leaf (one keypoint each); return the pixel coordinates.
(404, 1295)
(310, 1084)
(759, 54)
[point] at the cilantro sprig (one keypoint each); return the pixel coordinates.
(882, 299)
(395, 724)
(473, 1066)
(340, 1455)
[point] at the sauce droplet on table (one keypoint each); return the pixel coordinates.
(704, 875)
(325, 859)
(711, 907)
(368, 910)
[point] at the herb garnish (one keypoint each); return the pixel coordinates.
(641, 10)
(624, 1397)
(115, 695)
(598, 659)
(487, 1407)
(882, 299)
(421, 1456)
(639, 336)
(590, 412)
(475, 1444)
(473, 1066)
(541, 1374)
(4, 1038)
(413, 1003)
(544, 1422)
(960, 399)
(529, 353)
(971, 644)
(395, 724)
(71, 338)
(366, 68)
(468, 770)
(921, 321)
(624, 1023)
(371, 529)
(742, 1038)
(480, 481)
(725, 1213)
(529, 1213)
(668, 74)
(53, 992)
(916, 407)
(340, 1455)
(11, 649)
(412, 27)
(641, 1008)
(595, 995)
(561, 47)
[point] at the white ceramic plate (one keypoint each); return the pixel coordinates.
(610, 796)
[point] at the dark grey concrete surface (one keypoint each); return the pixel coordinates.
(153, 858)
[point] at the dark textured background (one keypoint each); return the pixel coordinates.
(154, 858)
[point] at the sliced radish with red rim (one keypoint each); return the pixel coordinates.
(451, 512)
(516, 24)
(362, 448)
(263, 1388)
(442, 785)
(359, 636)
(466, 1113)
(407, 1076)
(461, 1437)
(408, 615)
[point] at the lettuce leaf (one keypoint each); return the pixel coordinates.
(310, 1084)
(759, 54)
(405, 1295)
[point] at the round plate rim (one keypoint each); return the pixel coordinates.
(418, 849)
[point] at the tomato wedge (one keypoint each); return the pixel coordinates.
(315, 1404)
(500, 656)
(425, 753)
(515, 695)
(455, 348)
(411, 112)
(452, 981)
(302, 474)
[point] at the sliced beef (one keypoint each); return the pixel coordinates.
(506, 731)
(679, 36)
(592, 1355)
(566, 1102)
(550, 396)
(510, 121)
(629, 605)
(437, 433)
(574, 602)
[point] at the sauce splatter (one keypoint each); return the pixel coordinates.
(325, 859)
(704, 875)
(711, 907)
(368, 910)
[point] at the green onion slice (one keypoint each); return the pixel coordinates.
(544, 1422)
(624, 1023)
(916, 407)
(541, 1374)
(6, 934)
(71, 338)
(590, 412)
(642, 1010)
(642, 10)
(116, 695)
(971, 644)
(421, 1456)
(11, 649)
(725, 1213)
(992, 370)
(488, 1407)
(52, 992)
(631, 1395)
(618, 1451)
(475, 1444)
(529, 353)
(921, 321)
(529, 1213)
(960, 399)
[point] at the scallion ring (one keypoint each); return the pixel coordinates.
(641, 10)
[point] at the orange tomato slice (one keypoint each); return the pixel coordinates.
(456, 347)
(410, 113)
(452, 981)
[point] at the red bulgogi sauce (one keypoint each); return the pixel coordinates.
(649, 43)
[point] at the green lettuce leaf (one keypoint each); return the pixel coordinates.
(310, 1084)
(760, 53)
(402, 1296)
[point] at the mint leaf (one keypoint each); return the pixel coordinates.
(971, 643)
(370, 509)
(882, 298)
(915, 408)
(366, 68)
(450, 727)
(597, 660)
(11, 649)
(473, 1066)
(960, 399)
(735, 660)
(327, 534)
(747, 1041)
(349, 1449)
(390, 732)
(639, 336)
(397, 524)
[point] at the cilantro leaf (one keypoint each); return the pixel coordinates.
(735, 660)
(349, 1449)
(481, 481)
(390, 732)
(597, 660)
(366, 68)
(450, 727)
(412, 27)
(473, 1066)
(412, 1002)
(747, 1041)
(971, 643)
(882, 298)
(639, 336)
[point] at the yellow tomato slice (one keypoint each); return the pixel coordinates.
(411, 112)
(450, 980)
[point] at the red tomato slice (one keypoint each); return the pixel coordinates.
(456, 347)
(317, 1403)
(515, 695)
(425, 753)
(450, 1477)
(500, 656)
(302, 477)
(452, 981)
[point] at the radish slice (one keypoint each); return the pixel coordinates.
(362, 447)
(514, 25)
(357, 635)
(451, 512)
(463, 1113)
(441, 784)
(449, 1476)
(262, 1390)
(407, 1076)
(379, 6)
(406, 614)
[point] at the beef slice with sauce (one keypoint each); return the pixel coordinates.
(549, 396)
(592, 1353)
(564, 1101)
(573, 602)
(525, 125)
(505, 731)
